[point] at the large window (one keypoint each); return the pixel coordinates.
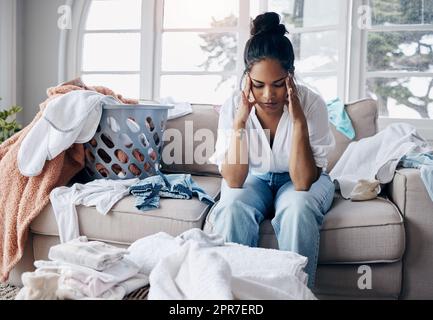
(196, 48)
(399, 68)
(111, 43)
(192, 49)
(317, 31)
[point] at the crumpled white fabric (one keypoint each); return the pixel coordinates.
(377, 157)
(365, 190)
(196, 265)
(180, 108)
(102, 193)
(71, 118)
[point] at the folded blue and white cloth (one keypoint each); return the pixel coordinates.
(178, 186)
(338, 116)
(424, 162)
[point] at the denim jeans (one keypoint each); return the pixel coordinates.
(298, 215)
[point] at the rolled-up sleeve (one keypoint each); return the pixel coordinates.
(322, 140)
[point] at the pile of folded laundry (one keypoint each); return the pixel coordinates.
(82, 269)
(191, 266)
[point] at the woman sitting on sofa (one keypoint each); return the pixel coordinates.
(273, 140)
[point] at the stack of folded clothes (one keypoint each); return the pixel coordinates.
(82, 269)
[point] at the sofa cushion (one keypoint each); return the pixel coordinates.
(193, 137)
(341, 281)
(352, 232)
(363, 114)
(124, 223)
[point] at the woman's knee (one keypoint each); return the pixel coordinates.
(299, 208)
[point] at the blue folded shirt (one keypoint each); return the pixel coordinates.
(178, 186)
(424, 162)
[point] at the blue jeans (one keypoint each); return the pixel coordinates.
(297, 220)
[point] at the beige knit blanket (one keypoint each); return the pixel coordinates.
(23, 198)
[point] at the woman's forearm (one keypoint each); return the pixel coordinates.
(236, 166)
(303, 170)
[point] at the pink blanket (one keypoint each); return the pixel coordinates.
(23, 198)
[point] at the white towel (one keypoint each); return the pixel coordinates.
(102, 193)
(191, 273)
(92, 254)
(376, 158)
(77, 282)
(180, 108)
(38, 286)
(194, 256)
(71, 118)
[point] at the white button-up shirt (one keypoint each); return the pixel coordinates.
(262, 158)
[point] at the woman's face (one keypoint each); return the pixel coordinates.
(269, 85)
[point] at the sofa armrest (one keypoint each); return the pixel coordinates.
(408, 192)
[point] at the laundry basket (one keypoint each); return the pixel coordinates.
(127, 143)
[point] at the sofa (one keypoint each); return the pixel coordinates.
(376, 249)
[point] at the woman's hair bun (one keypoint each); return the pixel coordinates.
(268, 23)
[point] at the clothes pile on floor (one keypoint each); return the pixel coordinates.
(82, 269)
(193, 265)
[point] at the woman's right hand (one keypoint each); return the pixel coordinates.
(244, 109)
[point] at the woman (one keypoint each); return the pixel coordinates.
(281, 171)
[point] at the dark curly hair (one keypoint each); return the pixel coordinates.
(268, 40)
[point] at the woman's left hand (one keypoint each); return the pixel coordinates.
(295, 108)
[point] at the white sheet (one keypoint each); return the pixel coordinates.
(376, 158)
(195, 265)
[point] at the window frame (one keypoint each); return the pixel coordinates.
(358, 66)
(242, 30)
(341, 29)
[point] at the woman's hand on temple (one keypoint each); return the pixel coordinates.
(246, 105)
(295, 108)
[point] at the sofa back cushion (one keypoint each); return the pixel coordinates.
(363, 114)
(189, 141)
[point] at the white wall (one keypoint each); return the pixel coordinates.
(7, 53)
(38, 65)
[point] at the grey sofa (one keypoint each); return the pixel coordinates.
(378, 249)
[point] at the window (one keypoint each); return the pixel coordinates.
(399, 64)
(199, 49)
(316, 29)
(192, 49)
(111, 43)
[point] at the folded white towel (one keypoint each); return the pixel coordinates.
(92, 254)
(77, 282)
